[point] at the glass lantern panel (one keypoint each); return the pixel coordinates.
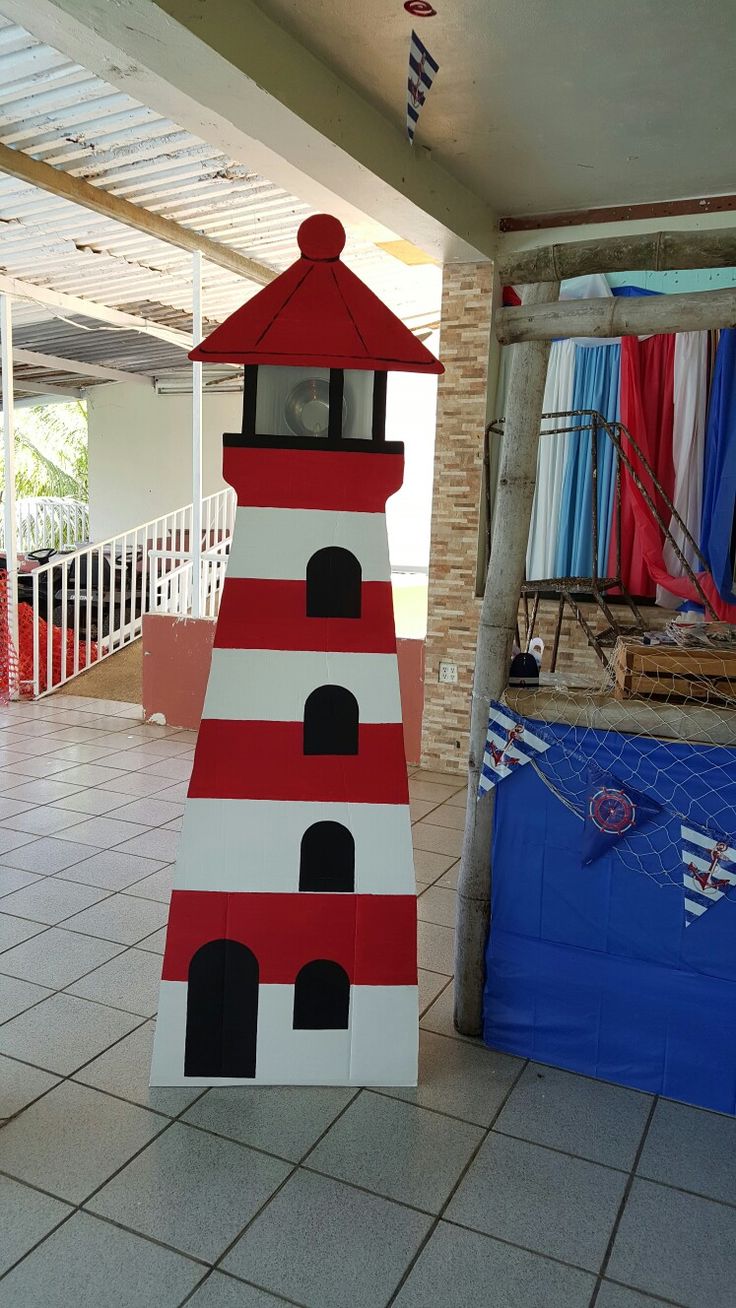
(357, 421)
(294, 402)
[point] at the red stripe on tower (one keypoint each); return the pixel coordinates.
(266, 760)
(258, 613)
(373, 937)
(320, 478)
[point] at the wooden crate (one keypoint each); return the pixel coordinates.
(673, 672)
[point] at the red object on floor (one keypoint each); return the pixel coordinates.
(87, 651)
(8, 653)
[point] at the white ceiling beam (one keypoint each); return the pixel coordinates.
(53, 363)
(73, 304)
(21, 386)
(232, 76)
(37, 173)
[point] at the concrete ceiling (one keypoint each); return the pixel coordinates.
(542, 106)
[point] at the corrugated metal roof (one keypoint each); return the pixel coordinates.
(55, 110)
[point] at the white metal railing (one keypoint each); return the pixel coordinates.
(89, 603)
(171, 569)
(44, 522)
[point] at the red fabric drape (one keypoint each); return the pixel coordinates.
(647, 409)
(649, 551)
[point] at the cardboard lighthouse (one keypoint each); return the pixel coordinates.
(291, 945)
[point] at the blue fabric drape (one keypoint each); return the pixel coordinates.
(719, 491)
(596, 386)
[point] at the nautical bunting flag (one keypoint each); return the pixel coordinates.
(710, 870)
(422, 70)
(509, 745)
(611, 810)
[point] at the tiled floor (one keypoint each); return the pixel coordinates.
(496, 1184)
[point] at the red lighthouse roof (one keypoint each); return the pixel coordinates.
(317, 314)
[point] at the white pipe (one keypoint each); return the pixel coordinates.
(11, 547)
(196, 542)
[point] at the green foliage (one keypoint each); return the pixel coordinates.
(51, 450)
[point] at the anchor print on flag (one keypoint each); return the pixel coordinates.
(509, 745)
(709, 871)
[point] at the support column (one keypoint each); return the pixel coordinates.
(510, 532)
(11, 553)
(465, 341)
(196, 541)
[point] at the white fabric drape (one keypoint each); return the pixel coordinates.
(688, 451)
(545, 524)
(540, 558)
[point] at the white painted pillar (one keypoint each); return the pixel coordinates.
(11, 552)
(196, 541)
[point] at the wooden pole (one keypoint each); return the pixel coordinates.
(512, 512)
(655, 253)
(38, 173)
(645, 315)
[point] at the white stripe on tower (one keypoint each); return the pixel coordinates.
(265, 685)
(275, 544)
(361, 1054)
(255, 844)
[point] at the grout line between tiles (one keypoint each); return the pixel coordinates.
(423, 1012)
(438, 1217)
(79, 1207)
(624, 1200)
(237, 1280)
(294, 1169)
(656, 1298)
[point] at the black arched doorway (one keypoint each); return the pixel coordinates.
(331, 721)
(222, 1011)
(327, 858)
(321, 997)
(333, 584)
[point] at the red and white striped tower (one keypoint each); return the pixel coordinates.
(291, 946)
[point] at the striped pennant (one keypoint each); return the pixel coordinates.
(509, 745)
(422, 71)
(709, 872)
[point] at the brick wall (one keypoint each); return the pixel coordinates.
(461, 419)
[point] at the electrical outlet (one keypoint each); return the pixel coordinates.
(448, 673)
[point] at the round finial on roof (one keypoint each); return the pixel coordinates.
(321, 237)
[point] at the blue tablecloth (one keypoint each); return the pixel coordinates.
(592, 968)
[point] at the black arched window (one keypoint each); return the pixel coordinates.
(331, 721)
(327, 858)
(321, 997)
(333, 584)
(222, 1011)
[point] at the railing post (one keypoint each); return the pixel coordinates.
(11, 544)
(196, 541)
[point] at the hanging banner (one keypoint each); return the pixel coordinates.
(611, 811)
(710, 870)
(509, 745)
(422, 71)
